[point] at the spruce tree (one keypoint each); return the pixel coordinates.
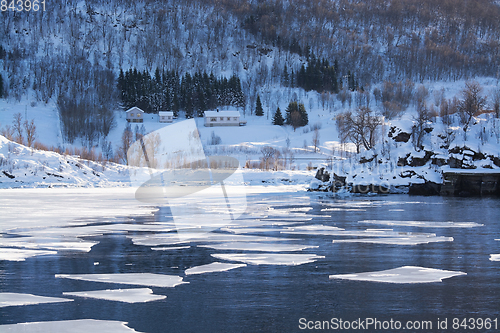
(300, 118)
(278, 118)
(1, 86)
(258, 107)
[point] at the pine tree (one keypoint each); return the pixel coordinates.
(286, 80)
(296, 115)
(278, 118)
(258, 107)
(1, 86)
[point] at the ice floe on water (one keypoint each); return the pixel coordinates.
(425, 224)
(264, 247)
(16, 299)
(135, 295)
(269, 258)
(250, 230)
(69, 326)
(495, 257)
(343, 209)
(47, 243)
(410, 240)
(142, 279)
(212, 267)
(63, 207)
(170, 248)
(21, 255)
(375, 236)
(314, 228)
(321, 230)
(55, 219)
(405, 274)
(199, 237)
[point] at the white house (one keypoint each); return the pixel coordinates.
(135, 115)
(222, 118)
(166, 116)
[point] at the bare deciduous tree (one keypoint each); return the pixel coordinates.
(419, 128)
(127, 140)
(315, 139)
(360, 128)
(472, 103)
(269, 155)
(30, 128)
(8, 132)
(495, 101)
(18, 128)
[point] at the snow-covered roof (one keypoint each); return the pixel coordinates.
(134, 109)
(222, 113)
(166, 113)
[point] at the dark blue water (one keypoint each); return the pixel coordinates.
(274, 298)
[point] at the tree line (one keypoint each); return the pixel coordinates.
(417, 39)
(168, 91)
(317, 75)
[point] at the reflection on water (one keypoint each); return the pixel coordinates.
(273, 298)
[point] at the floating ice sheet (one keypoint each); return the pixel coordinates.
(212, 267)
(343, 209)
(142, 279)
(334, 231)
(170, 248)
(244, 230)
(16, 299)
(48, 243)
(315, 227)
(64, 207)
(69, 326)
(405, 274)
(21, 255)
(495, 257)
(264, 247)
(136, 295)
(425, 224)
(270, 258)
(55, 218)
(199, 237)
(275, 219)
(93, 230)
(411, 240)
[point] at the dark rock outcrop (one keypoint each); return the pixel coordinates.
(322, 175)
(427, 188)
(364, 189)
(8, 175)
(398, 135)
(470, 184)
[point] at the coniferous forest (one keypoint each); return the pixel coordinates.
(167, 91)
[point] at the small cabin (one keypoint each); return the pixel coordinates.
(222, 118)
(135, 115)
(166, 116)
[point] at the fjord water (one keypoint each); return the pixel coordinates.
(274, 298)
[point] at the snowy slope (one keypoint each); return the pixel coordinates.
(21, 166)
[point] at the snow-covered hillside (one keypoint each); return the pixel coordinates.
(24, 167)
(392, 162)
